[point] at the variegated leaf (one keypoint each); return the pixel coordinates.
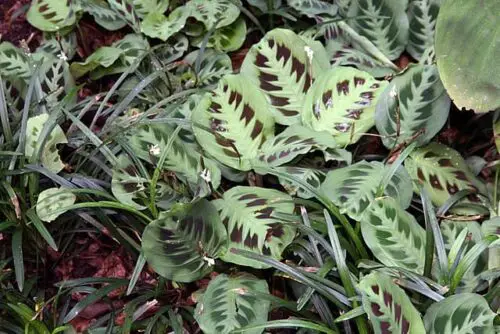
(229, 303)
(247, 212)
(62, 47)
(280, 66)
(313, 177)
(460, 314)
(103, 14)
(14, 63)
(52, 202)
(213, 66)
(233, 122)
(226, 39)
(342, 101)
(144, 7)
(442, 172)
(353, 188)
(126, 10)
(182, 245)
(157, 25)
(51, 15)
(422, 15)
(414, 102)
(383, 22)
(313, 8)
(393, 235)
(214, 13)
(388, 307)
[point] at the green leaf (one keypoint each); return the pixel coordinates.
(414, 101)
(59, 46)
(460, 314)
(342, 101)
(422, 16)
(280, 67)
(213, 66)
(226, 39)
(353, 188)
(451, 231)
(51, 203)
(442, 172)
(214, 13)
(157, 25)
(313, 8)
(236, 122)
(383, 22)
(393, 235)
(144, 7)
(313, 177)
(388, 307)
(247, 212)
(229, 303)
(126, 10)
(51, 15)
(49, 156)
(496, 129)
(103, 14)
(14, 63)
(148, 141)
(181, 245)
(467, 49)
(290, 143)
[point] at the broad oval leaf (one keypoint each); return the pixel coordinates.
(214, 13)
(51, 203)
(467, 50)
(247, 212)
(103, 14)
(229, 303)
(354, 187)
(235, 122)
(313, 177)
(414, 103)
(280, 67)
(342, 101)
(182, 245)
(126, 11)
(388, 307)
(149, 141)
(422, 16)
(51, 15)
(144, 7)
(393, 235)
(383, 22)
(442, 172)
(157, 25)
(460, 314)
(49, 156)
(225, 39)
(14, 63)
(313, 8)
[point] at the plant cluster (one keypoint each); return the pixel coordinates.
(223, 179)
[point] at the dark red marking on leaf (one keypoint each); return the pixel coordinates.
(429, 155)
(288, 113)
(264, 213)
(445, 162)
(358, 81)
(298, 68)
(268, 87)
(397, 312)
(420, 174)
(271, 158)
(375, 85)
(257, 129)
(327, 97)
(405, 326)
(292, 139)
(387, 299)
(279, 101)
(266, 250)
(354, 113)
(283, 52)
(257, 202)
(251, 242)
(375, 289)
(307, 83)
(435, 182)
(247, 114)
(261, 60)
(237, 234)
(376, 309)
(270, 43)
(130, 187)
(223, 141)
(473, 198)
(49, 16)
(248, 196)
(225, 88)
(263, 76)
(342, 127)
(343, 87)
(235, 96)
(225, 222)
(131, 170)
(231, 153)
(308, 141)
(276, 230)
(460, 175)
(385, 327)
(284, 154)
(451, 188)
(215, 107)
(367, 95)
(43, 8)
(215, 124)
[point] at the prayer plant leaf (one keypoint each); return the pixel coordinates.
(313, 8)
(293, 141)
(467, 50)
(232, 122)
(157, 25)
(414, 102)
(388, 307)
(126, 11)
(229, 303)
(354, 187)
(144, 7)
(422, 16)
(51, 201)
(280, 66)
(226, 39)
(393, 235)
(342, 101)
(383, 22)
(247, 212)
(51, 15)
(149, 141)
(49, 156)
(213, 66)
(442, 172)
(460, 314)
(103, 14)
(313, 177)
(182, 244)
(214, 13)
(14, 63)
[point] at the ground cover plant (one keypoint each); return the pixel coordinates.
(227, 166)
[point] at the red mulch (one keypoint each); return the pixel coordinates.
(13, 25)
